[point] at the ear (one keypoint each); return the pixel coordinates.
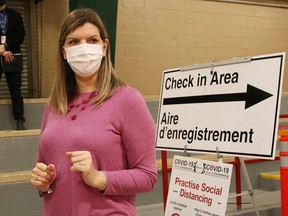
(64, 53)
(105, 45)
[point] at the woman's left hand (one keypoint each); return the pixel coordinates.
(8, 56)
(82, 163)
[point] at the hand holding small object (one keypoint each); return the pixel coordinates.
(82, 163)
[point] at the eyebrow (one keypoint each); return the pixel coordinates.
(73, 38)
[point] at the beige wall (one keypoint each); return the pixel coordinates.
(154, 35)
(50, 15)
(50, 36)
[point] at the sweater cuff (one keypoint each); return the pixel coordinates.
(102, 190)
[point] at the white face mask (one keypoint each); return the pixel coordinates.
(85, 59)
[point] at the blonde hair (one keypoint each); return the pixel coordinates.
(64, 87)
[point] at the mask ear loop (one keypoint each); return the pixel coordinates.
(106, 43)
(64, 52)
(103, 53)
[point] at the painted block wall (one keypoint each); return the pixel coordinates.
(155, 35)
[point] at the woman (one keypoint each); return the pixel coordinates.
(96, 149)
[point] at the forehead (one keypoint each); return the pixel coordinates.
(86, 30)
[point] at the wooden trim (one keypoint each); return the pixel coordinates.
(12, 177)
(45, 100)
(20, 133)
(26, 101)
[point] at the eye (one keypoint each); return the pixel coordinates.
(92, 41)
(72, 42)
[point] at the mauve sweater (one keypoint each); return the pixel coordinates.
(121, 138)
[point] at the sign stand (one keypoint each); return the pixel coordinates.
(176, 92)
(247, 180)
(186, 154)
(248, 183)
(245, 173)
(220, 157)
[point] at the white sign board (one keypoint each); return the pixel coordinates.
(232, 106)
(198, 187)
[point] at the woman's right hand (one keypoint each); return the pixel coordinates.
(43, 176)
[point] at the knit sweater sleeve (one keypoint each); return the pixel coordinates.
(40, 157)
(138, 135)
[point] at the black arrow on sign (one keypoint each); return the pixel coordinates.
(251, 97)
